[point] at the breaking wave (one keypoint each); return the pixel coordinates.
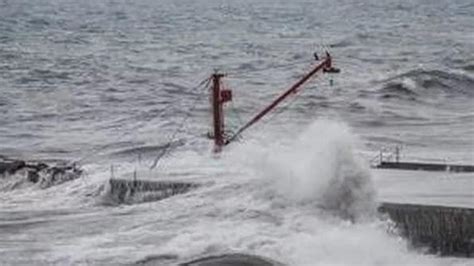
(417, 85)
(310, 202)
(321, 169)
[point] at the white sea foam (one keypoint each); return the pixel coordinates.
(278, 202)
(320, 168)
(313, 188)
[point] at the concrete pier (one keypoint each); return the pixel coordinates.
(448, 231)
(426, 166)
(134, 191)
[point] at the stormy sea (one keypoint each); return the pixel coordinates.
(117, 89)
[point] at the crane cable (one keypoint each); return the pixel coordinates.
(167, 147)
(101, 148)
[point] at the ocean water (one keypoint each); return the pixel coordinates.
(110, 83)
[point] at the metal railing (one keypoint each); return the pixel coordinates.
(387, 154)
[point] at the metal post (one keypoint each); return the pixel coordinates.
(112, 171)
(397, 154)
(218, 119)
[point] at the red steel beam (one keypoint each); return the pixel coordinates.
(325, 65)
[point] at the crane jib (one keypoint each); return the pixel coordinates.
(219, 97)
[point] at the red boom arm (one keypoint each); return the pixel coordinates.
(325, 66)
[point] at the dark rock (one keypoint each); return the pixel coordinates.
(56, 175)
(32, 176)
(39, 172)
(11, 167)
(37, 166)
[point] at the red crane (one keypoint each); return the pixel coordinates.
(219, 97)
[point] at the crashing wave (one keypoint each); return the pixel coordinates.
(321, 169)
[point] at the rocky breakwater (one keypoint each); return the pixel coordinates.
(43, 174)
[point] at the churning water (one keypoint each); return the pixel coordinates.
(110, 82)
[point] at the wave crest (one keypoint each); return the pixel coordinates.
(321, 168)
(418, 84)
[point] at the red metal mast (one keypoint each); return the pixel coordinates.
(219, 97)
(325, 66)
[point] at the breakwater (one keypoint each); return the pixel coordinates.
(448, 231)
(426, 166)
(135, 191)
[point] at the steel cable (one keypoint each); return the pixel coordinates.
(140, 124)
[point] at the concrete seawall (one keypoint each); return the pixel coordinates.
(448, 231)
(458, 168)
(136, 191)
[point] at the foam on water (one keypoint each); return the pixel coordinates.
(296, 206)
(304, 202)
(320, 167)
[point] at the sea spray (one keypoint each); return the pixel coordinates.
(297, 193)
(320, 168)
